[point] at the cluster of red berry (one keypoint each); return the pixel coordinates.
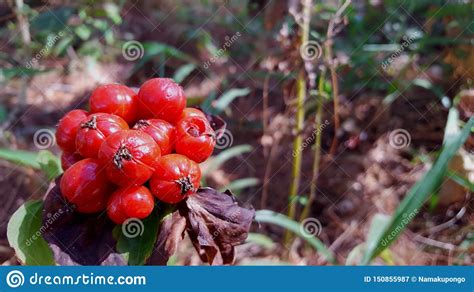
(131, 147)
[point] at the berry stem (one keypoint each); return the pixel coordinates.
(90, 124)
(185, 184)
(122, 154)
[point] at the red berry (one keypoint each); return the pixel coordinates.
(115, 209)
(130, 202)
(192, 112)
(161, 98)
(175, 178)
(195, 138)
(93, 131)
(115, 99)
(161, 131)
(68, 159)
(85, 185)
(67, 129)
(129, 157)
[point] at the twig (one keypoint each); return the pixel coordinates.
(268, 169)
(317, 147)
(449, 223)
(265, 111)
(332, 69)
(435, 243)
(348, 232)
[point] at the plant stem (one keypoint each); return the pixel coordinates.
(317, 146)
(297, 144)
(336, 19)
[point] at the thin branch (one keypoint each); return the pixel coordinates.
(332, 69)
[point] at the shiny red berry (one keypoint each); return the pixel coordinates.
(68, 159)
(129, 157)
(161, 98)
(85, 185)
(175, 178)
(195, 138)
(192, 112)
(161, 131)
(115, 99)
(93, 131)
(130, 202)
(67, 129)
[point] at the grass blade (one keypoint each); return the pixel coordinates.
(227, 97)
(267, 216)
(421, 191)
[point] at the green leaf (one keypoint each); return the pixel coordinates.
(183, 72)
(9, 73)
(226, 98)
(267, 216)
(260, 239)
(422, 190)
(49, 164)
(43, 160)
(3, 113)
(153, 49)
(240, 184)
(83, 31)
(461, 180)
(24, 234)
(137, 249)
(379, 224)
(52, 20)
(207, 103)
(213, 163)
(113, 13)
(20, 157)
(63, 44)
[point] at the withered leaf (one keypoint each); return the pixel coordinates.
(170, 235)
(217, 124)
(77, 239)
(216, 224)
